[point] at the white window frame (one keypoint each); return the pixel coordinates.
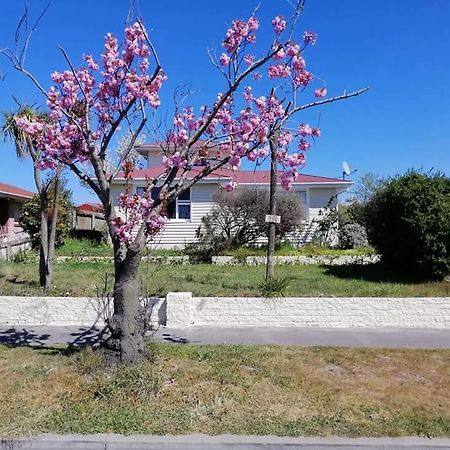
(178, 202)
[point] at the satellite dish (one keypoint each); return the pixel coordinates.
(346, 168)
(346, 171)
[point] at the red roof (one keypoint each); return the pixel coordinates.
(240, 176)
(90, 207)
(8, 190)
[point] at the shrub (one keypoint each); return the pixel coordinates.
(238, 219)
(31, 222)
(23, 257)
(352, 235)
(275, 287)
(408, 222)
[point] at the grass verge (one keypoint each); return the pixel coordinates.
(287, 391)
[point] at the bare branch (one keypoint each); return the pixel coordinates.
(84, 177)
(328, 100)
(129, 148)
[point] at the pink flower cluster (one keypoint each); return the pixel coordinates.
(240, 33)
(85, 102)
(155, 224)
(279, 24)
(175, 160)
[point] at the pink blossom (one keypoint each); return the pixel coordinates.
(178, 121)
(249, 59)
(292, 50)
(279, 24)
(155, 224)
(175, 160)
(253, 23)
(91, 62)
(304, 145)
(320, 93)
(224, 59)
(284, 139)
(252, 156)
(280, 54)
(279, 71)
(231, 186)
(257, 76)
(305, 130)
(315, 132)
(235, 161)
(309, 37)
(263, 152)
(248, 95)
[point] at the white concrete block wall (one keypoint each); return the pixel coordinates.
(305, 312)
(182, 310)
(81, 311)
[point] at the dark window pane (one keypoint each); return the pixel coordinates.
(186, 195)
(171, 209)
(155, 192)
(184, 211)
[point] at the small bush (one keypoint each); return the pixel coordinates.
(275, 287)
(352, 235)
(408, 222)
(23, 257)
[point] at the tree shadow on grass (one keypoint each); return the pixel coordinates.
(377, 273)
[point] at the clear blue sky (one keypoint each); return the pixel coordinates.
(400, 48)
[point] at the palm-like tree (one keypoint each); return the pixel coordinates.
(26, 147)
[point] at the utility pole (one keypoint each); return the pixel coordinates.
(272, 218)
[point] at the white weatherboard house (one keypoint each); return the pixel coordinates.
(186, 213)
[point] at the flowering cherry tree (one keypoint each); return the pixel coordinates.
(87, 106)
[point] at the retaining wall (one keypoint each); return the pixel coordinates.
(327, 260)
(81, 311)
(182, 310)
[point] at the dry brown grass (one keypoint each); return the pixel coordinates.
(229, 389)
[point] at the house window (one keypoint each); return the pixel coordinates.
(179, 208)
(302, 195)
(304, 201)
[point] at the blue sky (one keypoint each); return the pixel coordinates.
(399, 48)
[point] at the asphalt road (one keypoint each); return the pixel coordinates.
(350, 337)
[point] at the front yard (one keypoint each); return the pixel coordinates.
(76, 278)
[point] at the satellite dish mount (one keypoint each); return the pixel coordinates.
(346, 171)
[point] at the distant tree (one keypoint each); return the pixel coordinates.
(30, 216)
(367, 186)
(26, 145)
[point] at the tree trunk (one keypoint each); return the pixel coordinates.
(126, 343)
(43, 248)
(54, 225)
(271, 235)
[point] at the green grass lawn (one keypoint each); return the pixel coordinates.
(288, 391)
(78, 278)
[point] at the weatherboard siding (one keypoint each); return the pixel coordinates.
(178, 233)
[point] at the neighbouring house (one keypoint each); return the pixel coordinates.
(185, 214)
(89, 221)
(12, 236)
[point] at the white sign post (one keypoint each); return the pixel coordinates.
(272, 218)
